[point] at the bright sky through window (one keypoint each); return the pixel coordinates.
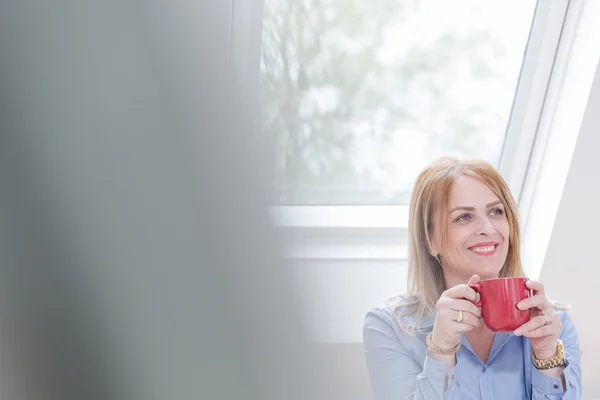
(359, 95)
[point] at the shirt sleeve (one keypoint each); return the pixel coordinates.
(394, 374)
(546, 387)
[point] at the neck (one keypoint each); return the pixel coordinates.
(453, 280)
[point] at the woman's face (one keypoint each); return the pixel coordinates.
(478, 232)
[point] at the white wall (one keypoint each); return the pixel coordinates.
(336, 295)
(571, 270)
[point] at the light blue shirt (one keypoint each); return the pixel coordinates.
(399, 367)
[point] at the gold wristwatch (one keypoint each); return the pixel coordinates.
(558, 360)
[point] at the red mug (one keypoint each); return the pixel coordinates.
(498, 300)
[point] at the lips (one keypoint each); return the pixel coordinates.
(484, 249)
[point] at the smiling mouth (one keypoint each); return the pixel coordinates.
(484, 250)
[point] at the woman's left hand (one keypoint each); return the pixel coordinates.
(544, 326)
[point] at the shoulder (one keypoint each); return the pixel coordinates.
(379, 317)
(382, 332)
(399, 314)
(390, 312)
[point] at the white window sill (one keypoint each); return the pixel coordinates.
(392, 217)
(343, 232)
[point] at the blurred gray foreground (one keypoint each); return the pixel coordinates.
(136, 260)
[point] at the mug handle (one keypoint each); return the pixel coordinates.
(476, 287)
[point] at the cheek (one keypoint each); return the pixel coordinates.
(458, 236)
(458, 239)
(503, 229)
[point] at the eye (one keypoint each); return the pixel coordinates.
(497, 211)
(464, 217)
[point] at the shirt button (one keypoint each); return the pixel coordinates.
(555, 386)
(483, 369)
(452, 377)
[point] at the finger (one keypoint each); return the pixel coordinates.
(474, 279)
(463, 327)
(470, 319)
(461, 292)
(531, 325)
(465, 306)
(539, 300)
(454, 315)
(537, 286)
(467, 317)
(539, 321)
(547, 330)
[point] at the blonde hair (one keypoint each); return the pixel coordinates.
(431, 192)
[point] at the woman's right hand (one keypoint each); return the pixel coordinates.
(446, 329)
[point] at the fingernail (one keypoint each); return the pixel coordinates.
(518, 332)
(520, 306)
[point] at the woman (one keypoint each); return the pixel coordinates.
(432, 343)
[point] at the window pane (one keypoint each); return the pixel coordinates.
(359, 95)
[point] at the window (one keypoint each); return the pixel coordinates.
(359, 95)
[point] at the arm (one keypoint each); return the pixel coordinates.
(544, 383)
(394, 374)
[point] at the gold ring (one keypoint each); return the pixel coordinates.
(548, 320)
(459, 318)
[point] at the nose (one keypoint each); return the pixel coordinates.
(486, 228)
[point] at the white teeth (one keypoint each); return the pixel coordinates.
(482, 249)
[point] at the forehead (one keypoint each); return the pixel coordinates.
(468, 191)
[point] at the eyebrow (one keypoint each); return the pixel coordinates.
(494, 203)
